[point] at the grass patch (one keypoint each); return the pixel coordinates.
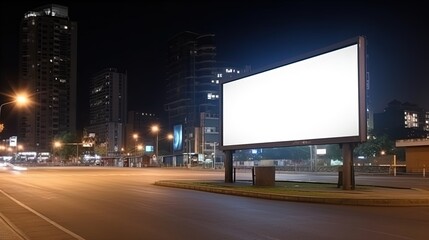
(280, 188)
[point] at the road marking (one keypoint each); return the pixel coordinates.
(18, 233)
(43, 217)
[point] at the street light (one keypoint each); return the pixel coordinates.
(155, 129)
(170, 137)
(139, 148)
(214, 154)
(21, 99)
(136, 137)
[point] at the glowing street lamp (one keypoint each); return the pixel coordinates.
(140, 148)
(136, 138)
(170, 137)
(21, 99)
(155, 129)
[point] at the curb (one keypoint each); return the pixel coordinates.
(392, 201)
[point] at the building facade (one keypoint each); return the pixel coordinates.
(191, 59)
(401, 121)
(139, 131)
(210, 121)
(47, 69)
(193, 97)
(108, 109)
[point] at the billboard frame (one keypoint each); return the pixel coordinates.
(361, 88)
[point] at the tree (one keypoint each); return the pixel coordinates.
(375, 146)
(64, 151)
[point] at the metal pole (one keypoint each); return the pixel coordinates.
(214, 155)
(1, 106)
(311, 158)
(77, 153)
(189, 153)
(394, 165)
(157, 145)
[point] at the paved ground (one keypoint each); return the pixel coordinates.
(327, 193)
(6, 231)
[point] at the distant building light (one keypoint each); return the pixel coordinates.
(321, 151)
(212, 96)
(30, 14)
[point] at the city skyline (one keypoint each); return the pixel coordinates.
(134, 39)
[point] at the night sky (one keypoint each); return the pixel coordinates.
(133, 37)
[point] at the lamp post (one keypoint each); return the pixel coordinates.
(136, 138)
(155, 129)
(134, 152)
(214, 155)
(170, 137)
(139, 150)
(21, 99)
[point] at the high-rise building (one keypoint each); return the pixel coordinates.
(108, 109)
(47, 69)
(190, 71)
(193, 96)
(210, 121)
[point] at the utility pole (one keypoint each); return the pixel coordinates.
(214, 155)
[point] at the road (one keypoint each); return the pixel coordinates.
(123, 203)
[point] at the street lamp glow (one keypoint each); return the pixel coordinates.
(170, 136)
(20, 99)
(57, 144)
(155, 129)
(136, 137)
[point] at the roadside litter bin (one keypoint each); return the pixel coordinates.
(264, 175)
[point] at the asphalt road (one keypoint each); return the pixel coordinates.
(123, 203)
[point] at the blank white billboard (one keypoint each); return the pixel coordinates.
(319, 99)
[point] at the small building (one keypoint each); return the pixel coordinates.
(416, 154)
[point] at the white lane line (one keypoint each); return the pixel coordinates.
(43, 217)
(13, 228)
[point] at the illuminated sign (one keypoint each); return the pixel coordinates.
(315, 99)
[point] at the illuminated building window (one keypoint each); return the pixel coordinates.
(212, 96)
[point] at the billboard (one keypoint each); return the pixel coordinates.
(177, 138)
(13, 141)
(318, 98)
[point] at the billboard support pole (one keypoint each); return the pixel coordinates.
(348, 173)
(228, 166)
